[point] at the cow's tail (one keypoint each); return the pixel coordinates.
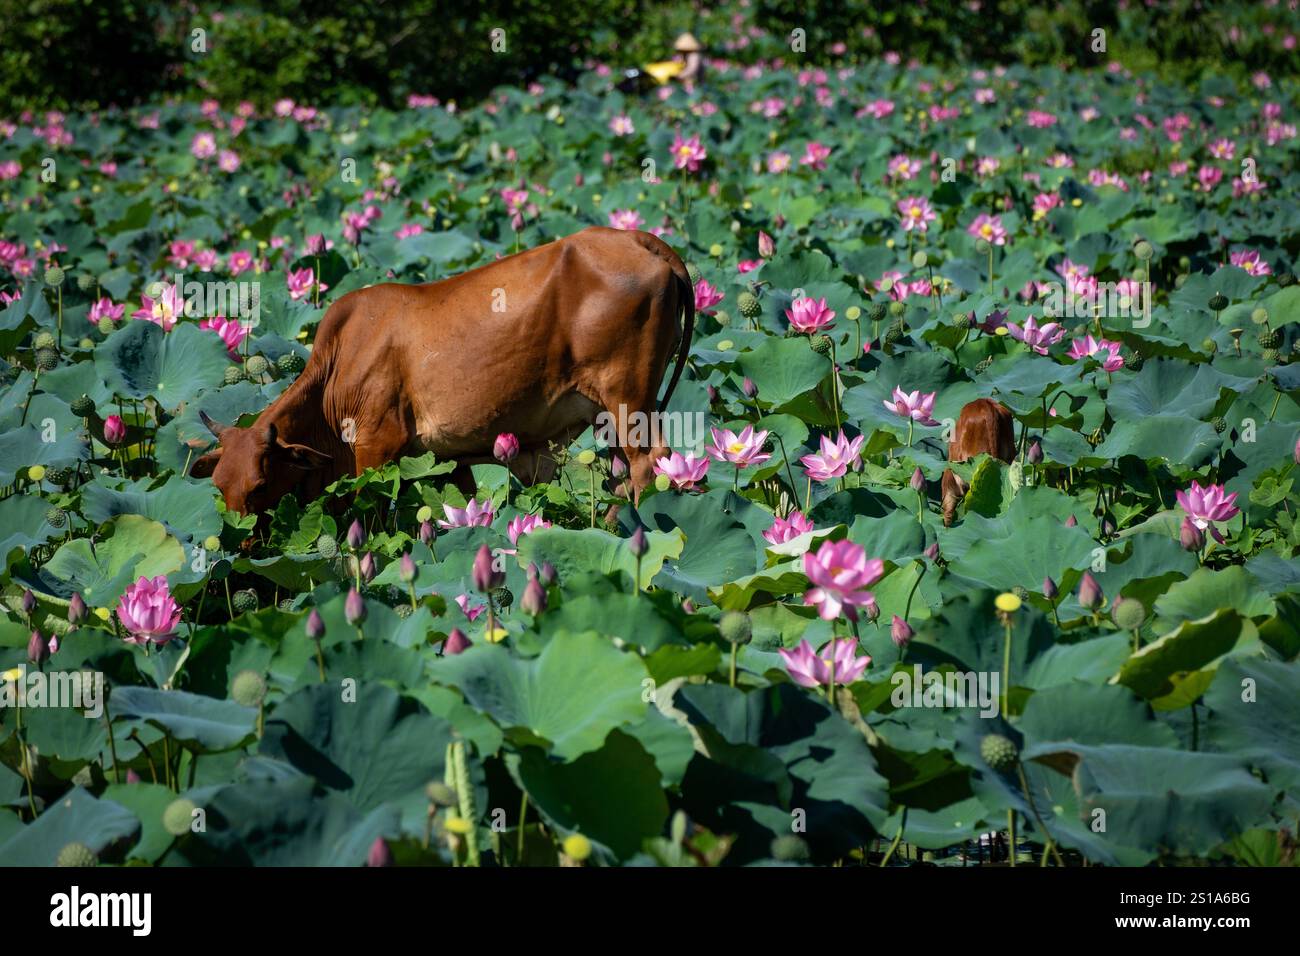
(686, 292)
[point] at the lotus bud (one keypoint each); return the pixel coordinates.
(114, 429)
(548, 575)
(485, 575)
(873, 612)
(315, 625)
(1190, 537)
(636, 544)
(379, 854)
(932, 552)
(406, 569)
(918, 481)
(29, 602)
(456, 642)
(38, 651)
(1090, 593)
(735, 627)
(354, 607)
(132, 777)
(749, 388)
(1296, 452)
(366, 568)
(534, 600)
(1049, 589)
(1071, 521)
(1107, 526)
(427, 534)
(712, 392)
(76, 610)
(766, 247)
(356, 535)
(506, 448)
(1034, 454)
(900, 632)
(688, 606)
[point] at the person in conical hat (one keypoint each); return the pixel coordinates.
(690, 47)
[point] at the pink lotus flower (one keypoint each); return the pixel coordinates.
(525, 524)
(232, 331)
(1103, 351)
(203, 145)
(913, 405)
(625, 219)
(748, 265)
(1036, 337)
(228, 161)
(836, 458)
(840, 573)
(683, 471)
(807, 669)
(300, 282)
(407, 230)
(472, 611)
(741, 450)
(688, 154)
(165, 310)
(105, 309)
(988, 228)
(808, 315)
(148, 611)
(1205, 506)
(240, 261)
(1249, 260)
(916, 213)
(706, 295)
(180, 252)
(903, 168)
(1045, 203)
(114, 429)
(473, 514)
(778, 162)
(815, 155)
(788, 528)
(621, 126)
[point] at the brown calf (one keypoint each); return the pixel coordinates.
(984, 426)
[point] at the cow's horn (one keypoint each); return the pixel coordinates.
(215, 427)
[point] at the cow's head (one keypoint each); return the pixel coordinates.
(253, 467)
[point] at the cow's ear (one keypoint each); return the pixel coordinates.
(205, 465)
(304, 456)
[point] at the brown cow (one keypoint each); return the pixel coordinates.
(536, 344)
(983, 426)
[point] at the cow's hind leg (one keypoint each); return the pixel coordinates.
(954, 489)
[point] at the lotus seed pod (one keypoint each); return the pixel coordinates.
(749, 305)
(1259, 316)
(255, 366)
(735, 627)
(1180, 280)
(403, 610)
(876, 311)
(86, 281)
(83, 406)
(59, 476)
(76, 855)
(439, 794)
(1184, 263)
(503, 597)
(233, 375)
(693, 271)
(920, 259)
(248, 688)
(822, 344)
(1128, 614)
(245, 601)
(897, 308)
(1271, 355)
(894, 335)
(1134, 361)
(999, 752)
(212, 543)
(54, 276)
(85, 343)
(715, 250)
(961, 321)
(43, 340)
(1220, 426)
(577, 847)
(290, 363)
(853, 313)
(984, 363)
(790, 848)
(179, 816)
(1270, 338)
(1143, 249)
(586, 457)
(285, 606)
(56, 517)
(1218, 302)
(662, 482)
(722, 318)
(1209, 345)
(726, 345)
(1285, 279)
(105, 326)
(47, 360)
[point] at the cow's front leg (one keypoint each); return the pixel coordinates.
(953, 489)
